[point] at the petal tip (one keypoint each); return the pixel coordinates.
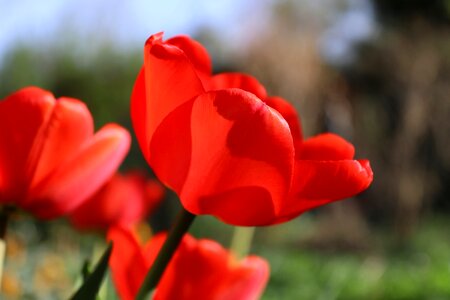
(365, 164)
(154, 38)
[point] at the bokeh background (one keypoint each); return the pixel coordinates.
(374, 71)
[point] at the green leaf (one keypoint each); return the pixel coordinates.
(90, 287)
(86, 270)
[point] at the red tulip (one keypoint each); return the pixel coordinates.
(50, 159)
(229, 150)
(125, 201)
(200, 269)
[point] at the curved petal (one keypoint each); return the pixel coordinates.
(170, 80)
(333, 180)
(238, 80)
(204, 270)
(196, 272)
(221, 143)
(248, 280)
(171, 148)
(77, 179)
(69, 126)
(139, 114)
(196, 53)
(127, 262)
(242, 206)
(100, 211)
(245, 144)
(326, 146)
(154, 192)
(122, 201)
(21, 116)
(297, 206)
(289, 114)
(317, 183)
(139, 197)
(200, 269)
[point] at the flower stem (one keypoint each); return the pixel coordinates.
(181, 226)
(241, 241)
(5, 211)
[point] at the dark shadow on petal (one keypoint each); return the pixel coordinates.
(171, 147)
(256, 133)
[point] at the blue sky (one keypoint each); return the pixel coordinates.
(129, 23)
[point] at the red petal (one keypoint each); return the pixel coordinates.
(242, 206)
(171, 148)
(326, 146)
(333, 180)
(196, 272)
(246, 146)
(69, 126)
(248, 280)
(139, 197)
(79, 178)
(317, 183)
(204, 270)
(170, 80)
(199, 269)
(101, 211)
(154, 194)
(238, 80)
(122, 201)
(196, 53)
(152, 247)
(295, 206)
(289, 114)
(229, 145)
(127, 263)
(138, 113)
(21, 116)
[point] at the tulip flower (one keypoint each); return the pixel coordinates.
(124, 201)
(229, 150)
(50, 158)
(200, 269)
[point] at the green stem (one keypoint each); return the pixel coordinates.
(241, 241)
(174, 237)
(5, 211)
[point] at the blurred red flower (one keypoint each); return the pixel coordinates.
(124, 201)
(229, 150)
(50, 159)
(200, 269)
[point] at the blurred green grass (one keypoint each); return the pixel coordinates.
(420, 270)
(416, 269)
(46, 260)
